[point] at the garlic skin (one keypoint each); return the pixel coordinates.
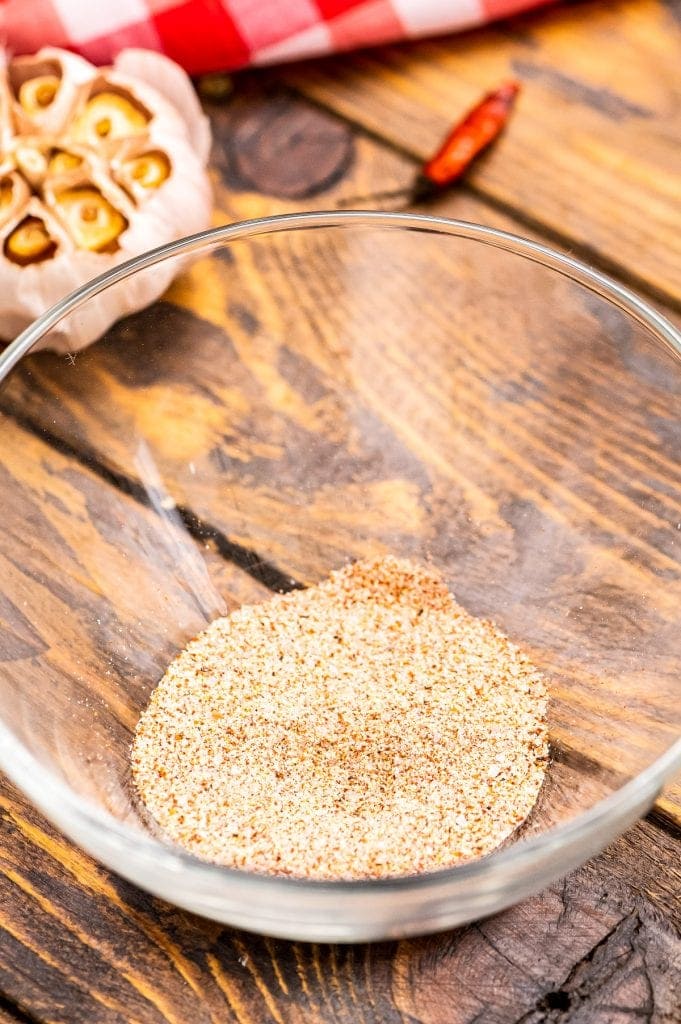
(168, 78)
(97, 165)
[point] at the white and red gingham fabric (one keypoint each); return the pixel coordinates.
(215, 35)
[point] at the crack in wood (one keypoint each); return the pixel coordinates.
(579, 250)
(658, 817)
(11, 1009)
(550, 235)
(604, 100)
(559, 1005)
(259, 568)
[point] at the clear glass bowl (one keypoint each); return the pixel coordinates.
(322, 387)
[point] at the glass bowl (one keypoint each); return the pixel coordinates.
(318, 388)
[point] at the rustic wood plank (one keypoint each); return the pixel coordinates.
(592, 151)
(274, 153)
(98, 593)
(78, 944)
(406, 494)
(8, 1014)
(402, 411)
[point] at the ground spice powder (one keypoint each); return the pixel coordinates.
(363, 728)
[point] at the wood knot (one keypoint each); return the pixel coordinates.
(281, 146)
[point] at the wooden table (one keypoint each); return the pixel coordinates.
(591, 164)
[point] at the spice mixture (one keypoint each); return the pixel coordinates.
(365, 727)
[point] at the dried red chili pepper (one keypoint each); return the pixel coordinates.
(469, 137)
(479, 128)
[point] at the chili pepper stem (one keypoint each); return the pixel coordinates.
(418, 191)
(397, 193)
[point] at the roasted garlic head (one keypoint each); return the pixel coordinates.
(96, 165)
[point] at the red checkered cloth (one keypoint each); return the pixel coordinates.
(216, 35)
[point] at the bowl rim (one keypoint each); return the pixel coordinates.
(72, 812)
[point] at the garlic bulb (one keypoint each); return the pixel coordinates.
(96, 165)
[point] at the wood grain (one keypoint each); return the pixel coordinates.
(96, 600)
(98, 594)
(274, 152)
(8, 1014)
(546, 513)
(275, 144)
(591, 154)
(78, 944)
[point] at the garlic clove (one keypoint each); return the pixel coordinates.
(63, 161)
(32, 162)
(172, 82)
(141, 172)
(91, 220)
(36, 94)
(46, 87)
(69, 164)
(181, 206)
(14, 194)
(29, 242)
(109, 115)
(149, 170)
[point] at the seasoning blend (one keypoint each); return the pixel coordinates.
(364, 728)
